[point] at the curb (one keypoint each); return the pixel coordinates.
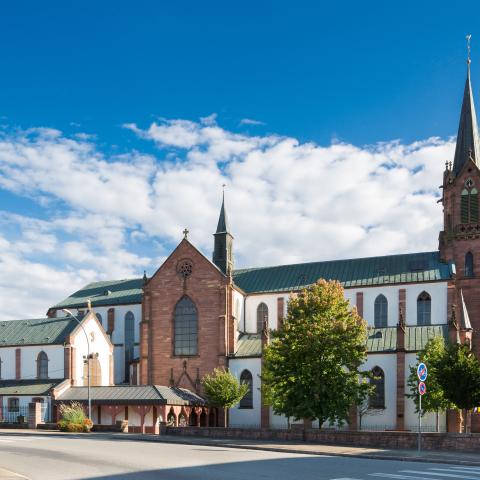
(368, 456)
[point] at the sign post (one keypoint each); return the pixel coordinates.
(422, 389)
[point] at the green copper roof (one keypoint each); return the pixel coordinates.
(384, 340)
(41, 331)
(417, 337)
(357, 272)
(249, 345)
(117, 292)
(27, 387)
(379, 340)
(132, 395)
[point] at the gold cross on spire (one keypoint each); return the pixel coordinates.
(185, 233)
(468, 37)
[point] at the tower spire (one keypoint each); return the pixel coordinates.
(467, 137)
(223, 225)
(223, 246)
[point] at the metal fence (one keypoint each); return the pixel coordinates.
(19, 414)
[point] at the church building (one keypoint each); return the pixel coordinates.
(195, 313)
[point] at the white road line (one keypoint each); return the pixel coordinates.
(400, 477)
(438, 474)
(457, 470)
(468, 469)
(5, 441)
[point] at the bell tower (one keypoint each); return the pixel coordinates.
(459, 241)
(223, 245)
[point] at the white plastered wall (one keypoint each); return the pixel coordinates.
(411, 416)
(247, 416)
(385, 418)
(252, 303)
(98, 345)
(28, 361)
(118, 334)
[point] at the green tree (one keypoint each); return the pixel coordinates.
(223, 390)
(434, 400)
(458, 374)
(312, 365)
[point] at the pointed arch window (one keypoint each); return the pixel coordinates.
(469, 264)
(469, 203)
(42, 365)
(262, 317)
(247, 400)
(424, 309)
(377, 399)
(381, 312)
(185, 328)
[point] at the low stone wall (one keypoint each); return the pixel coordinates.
(13, 425)
(392, 440)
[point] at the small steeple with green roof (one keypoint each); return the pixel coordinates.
(223, 245)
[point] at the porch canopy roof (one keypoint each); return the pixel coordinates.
(132, 395)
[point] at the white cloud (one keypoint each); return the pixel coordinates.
(288, 202)
(250, 121)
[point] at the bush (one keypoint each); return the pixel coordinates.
(73, 418)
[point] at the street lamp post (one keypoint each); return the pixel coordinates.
(68, 312)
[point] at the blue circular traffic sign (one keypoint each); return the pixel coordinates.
(422, 388)
(422, 372)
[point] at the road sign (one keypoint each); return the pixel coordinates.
(422, 372)
(422, 388)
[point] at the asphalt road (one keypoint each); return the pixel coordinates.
(51, 456)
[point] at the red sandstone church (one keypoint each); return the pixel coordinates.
(195, 313)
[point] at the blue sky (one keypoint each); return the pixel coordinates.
(315, 70)
(121, 120)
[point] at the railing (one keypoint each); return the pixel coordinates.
(20, 414)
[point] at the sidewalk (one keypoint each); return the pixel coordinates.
(454, 458)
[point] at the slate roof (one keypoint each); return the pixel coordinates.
(467, 138)
(115, 292)
(40, 331)
(223, 225)
(27, 387)
(357, 272)
(132, 395)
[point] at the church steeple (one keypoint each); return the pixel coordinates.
(467, 138)
(223, 247)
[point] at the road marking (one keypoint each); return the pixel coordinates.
(437, 474)
(4, 473)
(400, 477)
(458, 470)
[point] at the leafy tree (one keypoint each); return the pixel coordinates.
(223, 390)
(458, 374)
(311, 367)
(434, 400)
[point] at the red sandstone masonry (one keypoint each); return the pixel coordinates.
(360, 303)
(18, 364)
(209, 289)
(393, 440)
(280, 312)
